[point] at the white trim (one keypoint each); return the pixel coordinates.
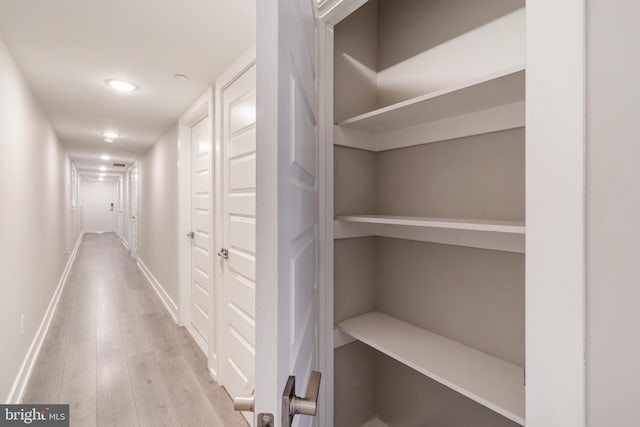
(124, 243)
(168, 302)
(333, 11)
(26, 369)
(326, 336)
(237, 69)
(202, 344)
(555, 214)
(200, 109)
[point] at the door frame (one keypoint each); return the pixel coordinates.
(201, 108)
(134, 172)
(555, 183)
(236, 70)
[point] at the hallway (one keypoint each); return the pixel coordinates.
(117, 357)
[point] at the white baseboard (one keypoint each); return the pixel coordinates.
(202, 344)
(26, 369)
(169, 304)
(124, 243)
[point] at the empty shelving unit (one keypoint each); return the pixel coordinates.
(429, 226)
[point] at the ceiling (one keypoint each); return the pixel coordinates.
(68, 48)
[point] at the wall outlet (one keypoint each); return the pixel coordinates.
(22, 325)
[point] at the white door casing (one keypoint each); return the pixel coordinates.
(195, 256)
(134, 189)
(119, 207)
(287, 312)
(237, 101)
(201, 226)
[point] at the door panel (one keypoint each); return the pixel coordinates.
(97, 214)
(288, 144)
(201, 223)
(239, 182)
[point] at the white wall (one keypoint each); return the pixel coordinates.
(613, 213)
(38, 225)
(158, 211)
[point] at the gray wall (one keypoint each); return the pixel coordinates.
(38, 224)
(474, 296)
(158, 211)
(613, 213)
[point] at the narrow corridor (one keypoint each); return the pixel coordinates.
(117, 357)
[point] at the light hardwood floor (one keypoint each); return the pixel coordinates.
(116, 356)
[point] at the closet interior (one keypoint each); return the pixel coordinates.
(429, 112)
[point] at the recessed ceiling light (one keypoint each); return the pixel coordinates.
(121, 85)
(105, 157)
(103, 174)
(100, 179)
(109, 134)
(110, 141)
(103, 168)
(182, 77)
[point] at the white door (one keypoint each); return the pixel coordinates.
(201, 224)
(287, 203)
(239, 231)
(98, 210)
(133, 193)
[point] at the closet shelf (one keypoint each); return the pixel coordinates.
(504, 87)
(497, 235)
(492, 382)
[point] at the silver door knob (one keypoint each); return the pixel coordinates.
(246, 401)
(223, 253)
(300, 405)
(191, 235)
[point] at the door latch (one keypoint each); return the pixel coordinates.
(191, 235)
(293, 405)
(224, 253)
(266, 420)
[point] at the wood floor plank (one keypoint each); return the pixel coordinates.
(117, 357)
(187, 396)
(152, 400)
(79, 383)
(115, 402)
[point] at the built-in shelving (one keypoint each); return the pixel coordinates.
(497, 235)
(492, 382)
(502, 88)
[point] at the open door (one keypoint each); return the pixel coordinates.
(287, 311)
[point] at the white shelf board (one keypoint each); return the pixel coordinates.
(504, 117)
(499, 236)
(492, 382)
(504, 87)
(375, 422)
(453, 224)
